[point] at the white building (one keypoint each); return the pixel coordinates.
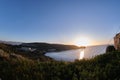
(28, 49)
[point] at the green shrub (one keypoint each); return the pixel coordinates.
(102, 67)
(110, 48)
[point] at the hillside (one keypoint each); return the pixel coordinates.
(47, 46)
(102, 67)
(35, 51)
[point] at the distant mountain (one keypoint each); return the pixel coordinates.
(47, 47)
(10, 42)
(44, 47)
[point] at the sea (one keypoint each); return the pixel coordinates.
(78, 54)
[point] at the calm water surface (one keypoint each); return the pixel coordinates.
(72, 55)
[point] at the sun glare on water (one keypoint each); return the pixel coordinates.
(81, 54)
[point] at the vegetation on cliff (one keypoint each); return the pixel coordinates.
(102, 67)
(25, 65)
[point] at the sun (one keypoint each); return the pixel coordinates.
(82, 42)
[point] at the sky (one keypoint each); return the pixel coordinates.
(59, 21)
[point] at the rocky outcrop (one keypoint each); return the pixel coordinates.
(117, 41)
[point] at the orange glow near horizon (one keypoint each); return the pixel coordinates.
(85, 41)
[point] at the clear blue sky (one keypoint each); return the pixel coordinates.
(58, 21)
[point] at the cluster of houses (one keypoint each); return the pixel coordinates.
(28, 49)
(34, 49)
